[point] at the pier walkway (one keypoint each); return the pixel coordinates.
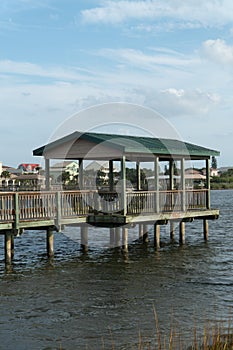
(51, 211)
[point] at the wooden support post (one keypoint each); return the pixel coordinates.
(117, 237)
(8, 247)
(157, 236)
(140, 231)
(172, 230)
(84, 238)
(112, 237)
(205, 229)
(182, 232)
(50, 242)
(145, 233)
(124, 238)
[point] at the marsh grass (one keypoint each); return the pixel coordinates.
(217, 336)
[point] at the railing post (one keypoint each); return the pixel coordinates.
(16, 211)
(58, 211)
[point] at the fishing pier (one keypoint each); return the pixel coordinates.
(118, 206)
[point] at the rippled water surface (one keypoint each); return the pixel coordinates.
(105, 299)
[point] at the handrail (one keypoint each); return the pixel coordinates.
(29, 206)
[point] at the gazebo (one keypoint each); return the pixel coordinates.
(120, 206)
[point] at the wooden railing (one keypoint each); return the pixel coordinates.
(26, 206)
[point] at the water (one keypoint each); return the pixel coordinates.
(105, 299)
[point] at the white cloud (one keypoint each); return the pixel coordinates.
(207, 13)
(149, 60)
(35, 70)
(218, 51)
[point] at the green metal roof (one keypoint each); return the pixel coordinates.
(134, 144)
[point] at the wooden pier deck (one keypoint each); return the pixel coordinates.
(51, 211)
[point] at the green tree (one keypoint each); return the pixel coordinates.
(5, 174)
(214, 163)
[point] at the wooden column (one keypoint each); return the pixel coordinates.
(205, 229)
(50, 242)
(110, 176)
(138, 172)
(172, 230)
(124, 238)
(182, 184)
(84, 238)
(208, 183)
(123, 186)
(156, 183)
(8, 247)
(80, 174)
(171, 174)
(47, 174)
(112, 237)
(182, 232)
(157, 236)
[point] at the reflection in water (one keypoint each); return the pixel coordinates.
(106, 297)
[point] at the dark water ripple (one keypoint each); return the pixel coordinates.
(95, 300)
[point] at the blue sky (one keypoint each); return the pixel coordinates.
(58, 57)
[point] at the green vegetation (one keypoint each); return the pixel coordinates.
(224, 181)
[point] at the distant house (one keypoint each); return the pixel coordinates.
(70, 167)
(213, 172)
(29, 167)
(30, 182)
(98, 172)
